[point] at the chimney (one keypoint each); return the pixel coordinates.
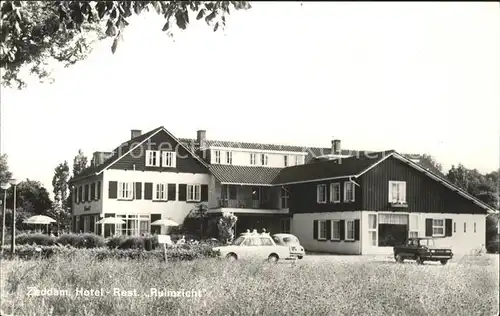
(201, 137)
(135, 133)
(336, 150)
(99, 157)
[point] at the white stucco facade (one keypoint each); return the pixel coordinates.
(468, 231)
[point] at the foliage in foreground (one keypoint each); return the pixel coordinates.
(183, 253)
(254, 288)
(33, 31)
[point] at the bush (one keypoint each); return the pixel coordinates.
(90, 241)
(69, 239)
(184, 253)
(493, 246)
(115, 241)
(133, 243)
(35, 239)
(151, 243)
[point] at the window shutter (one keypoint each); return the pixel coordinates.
(174, 159)
(92, 191)
(182, 192)
(138, 190)
(448, 226)
(356, 229)
(113, 189)
(428, 227)
(92, 224)
(98, 194)
(315, 230)
(342, 229)
(204, 193)
(328, 229)
(171, 192)
(148, 191)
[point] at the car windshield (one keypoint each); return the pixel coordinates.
(427, 242)
(238, 241)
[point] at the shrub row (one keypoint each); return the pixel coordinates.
(90, 241)
(186, 252)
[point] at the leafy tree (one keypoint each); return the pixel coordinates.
(200, 214)
(33, 32)
(5, 174)
(60, 185)
(483, 187)
(430, 160)
(225, 225)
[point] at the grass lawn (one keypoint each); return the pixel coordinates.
(316, 287)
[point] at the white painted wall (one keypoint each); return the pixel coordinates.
(176, 210)
(461, 242)
(241, 157)
(302, 227)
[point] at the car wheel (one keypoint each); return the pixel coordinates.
(300, 257)
(399, 258)
(272, 258)
(419, 260)
(443, 262)
(231, 256)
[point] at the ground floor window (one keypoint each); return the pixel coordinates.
(322, 230)
(135, 225)
(285, 225)
(372, 229)
(438, 227)
(414, 228)
(349, 230)
(335, 230)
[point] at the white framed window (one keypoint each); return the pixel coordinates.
(285, 160)
(372, 229)
(438, 227)
(160, 193)
(397, 192)
(264, 159)
(349, 193)
(322, 230)
(135, 224)
(229, 157)
(125, 190)
(414, 228)
(335, 192)
(217, 156)
(321, 193)
(152, 158)
(252, 159)
(335, 230)
(284, 198)
(349, 229)
(193, 193)
(168, 159)
(88, 192)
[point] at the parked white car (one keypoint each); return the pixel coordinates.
(291, 241)
(254, 245)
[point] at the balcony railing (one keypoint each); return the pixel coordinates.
(246, 203)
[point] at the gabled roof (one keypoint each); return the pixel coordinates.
(127, 147)
(246, 175)
(357, 166)
(330, 169)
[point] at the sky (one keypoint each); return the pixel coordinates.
(414, 77)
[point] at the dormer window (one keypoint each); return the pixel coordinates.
(397, 192)
(217, 156)
(285, 160)
(168, 159)
(349, 194)
(229, 157)
(152, 158)
(263, 159)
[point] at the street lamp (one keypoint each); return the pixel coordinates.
(4, 187)
(13, 243)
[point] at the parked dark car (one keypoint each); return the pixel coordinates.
(422, 249)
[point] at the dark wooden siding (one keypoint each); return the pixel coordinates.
(303, 198)
(162, 141)
(423, 194)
